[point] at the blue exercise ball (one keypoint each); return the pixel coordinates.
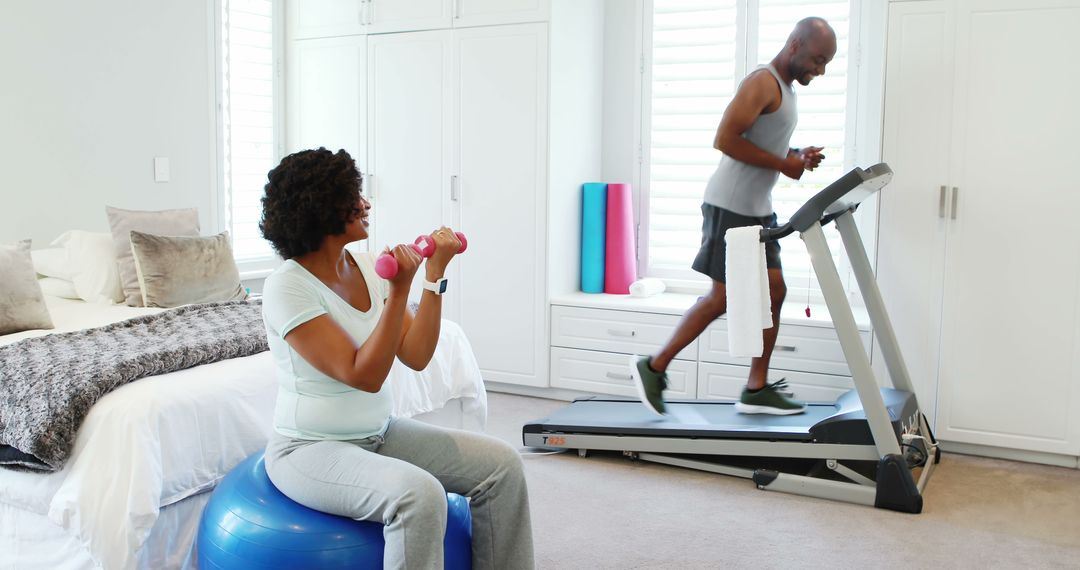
(249, 525)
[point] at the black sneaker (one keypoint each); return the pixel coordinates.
(650, 384)
(772, 399)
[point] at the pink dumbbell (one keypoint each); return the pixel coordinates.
(387, 267)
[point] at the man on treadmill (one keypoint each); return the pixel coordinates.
(753, 136)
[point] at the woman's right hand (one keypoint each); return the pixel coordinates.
(408, 262)
(446, 247)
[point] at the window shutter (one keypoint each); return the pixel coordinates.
(823, 108)
(248, 120)
(695, 66)
(698, 60)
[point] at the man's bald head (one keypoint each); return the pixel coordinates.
(810, 47)
(812, 29)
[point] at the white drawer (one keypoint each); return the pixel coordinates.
(614, 331)
(608, 373)
(726, 382)
(810, 349)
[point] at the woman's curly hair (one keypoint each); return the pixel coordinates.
(310, 195)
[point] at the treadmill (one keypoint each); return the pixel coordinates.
(864, 448)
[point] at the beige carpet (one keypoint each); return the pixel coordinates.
(610, 512)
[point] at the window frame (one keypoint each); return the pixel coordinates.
(862, 144)
(253, 267)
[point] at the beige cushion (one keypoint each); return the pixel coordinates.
(165, 222)
(174, 271)
(22, 306)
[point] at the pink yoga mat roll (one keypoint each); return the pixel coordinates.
(620, 261)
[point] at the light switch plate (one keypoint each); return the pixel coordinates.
(161, 169)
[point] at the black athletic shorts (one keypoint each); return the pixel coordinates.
(710, 259)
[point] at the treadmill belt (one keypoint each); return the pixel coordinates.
(684, 419)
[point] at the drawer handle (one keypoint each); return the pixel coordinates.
(614, 332)
(615, 376)
(785, 348)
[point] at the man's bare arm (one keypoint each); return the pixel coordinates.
(757, 94)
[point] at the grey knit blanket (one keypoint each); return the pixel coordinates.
(49, 383)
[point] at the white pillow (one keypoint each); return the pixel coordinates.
(56, 287)
(53, 262)
(91, 254)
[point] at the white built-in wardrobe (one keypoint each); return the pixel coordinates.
(444, 105)
(979, 246)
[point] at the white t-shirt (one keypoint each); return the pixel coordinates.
(310, 404)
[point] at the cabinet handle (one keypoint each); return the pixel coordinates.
(370, 12)
(363, 12)
(955, 194)
(785, 348)
(454, 9)
(614, 332)
(615, 376)
(941, 202)
(371, 187)
(454, 190)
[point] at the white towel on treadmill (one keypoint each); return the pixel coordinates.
(748, 311)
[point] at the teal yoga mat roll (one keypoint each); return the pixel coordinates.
(593, 231)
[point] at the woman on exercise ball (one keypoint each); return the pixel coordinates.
(334, 328)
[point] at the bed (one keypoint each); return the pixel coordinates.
(149, 452)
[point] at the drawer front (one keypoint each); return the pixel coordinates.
(810, 349)
(726, 381)
(608, 373)
(614, 331)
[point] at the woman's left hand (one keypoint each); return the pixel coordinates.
(447, 245)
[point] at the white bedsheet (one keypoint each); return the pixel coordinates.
(158, 440)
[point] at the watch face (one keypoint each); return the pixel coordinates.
(441, 284)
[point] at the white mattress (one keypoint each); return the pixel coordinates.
(156, 441)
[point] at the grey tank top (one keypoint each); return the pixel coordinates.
(746, 189)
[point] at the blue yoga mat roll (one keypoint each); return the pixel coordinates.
(593, 229)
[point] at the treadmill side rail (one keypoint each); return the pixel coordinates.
(672, 445)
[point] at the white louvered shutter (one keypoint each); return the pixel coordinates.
(696, 60)
(701, 50)
(248, 113)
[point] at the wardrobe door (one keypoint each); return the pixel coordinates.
(492, 12)
(384, 16)
(323, 18)
(1010, 351)
(912, 221)
(409, 136)
(326, 96)
(501, 127)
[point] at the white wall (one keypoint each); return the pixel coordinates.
(90, 92)
(622, 90)
(577, 69)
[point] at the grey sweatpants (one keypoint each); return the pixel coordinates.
(401, 478)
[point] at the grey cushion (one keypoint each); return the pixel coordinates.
(22, 306)
(174, 271)
(164, 222)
